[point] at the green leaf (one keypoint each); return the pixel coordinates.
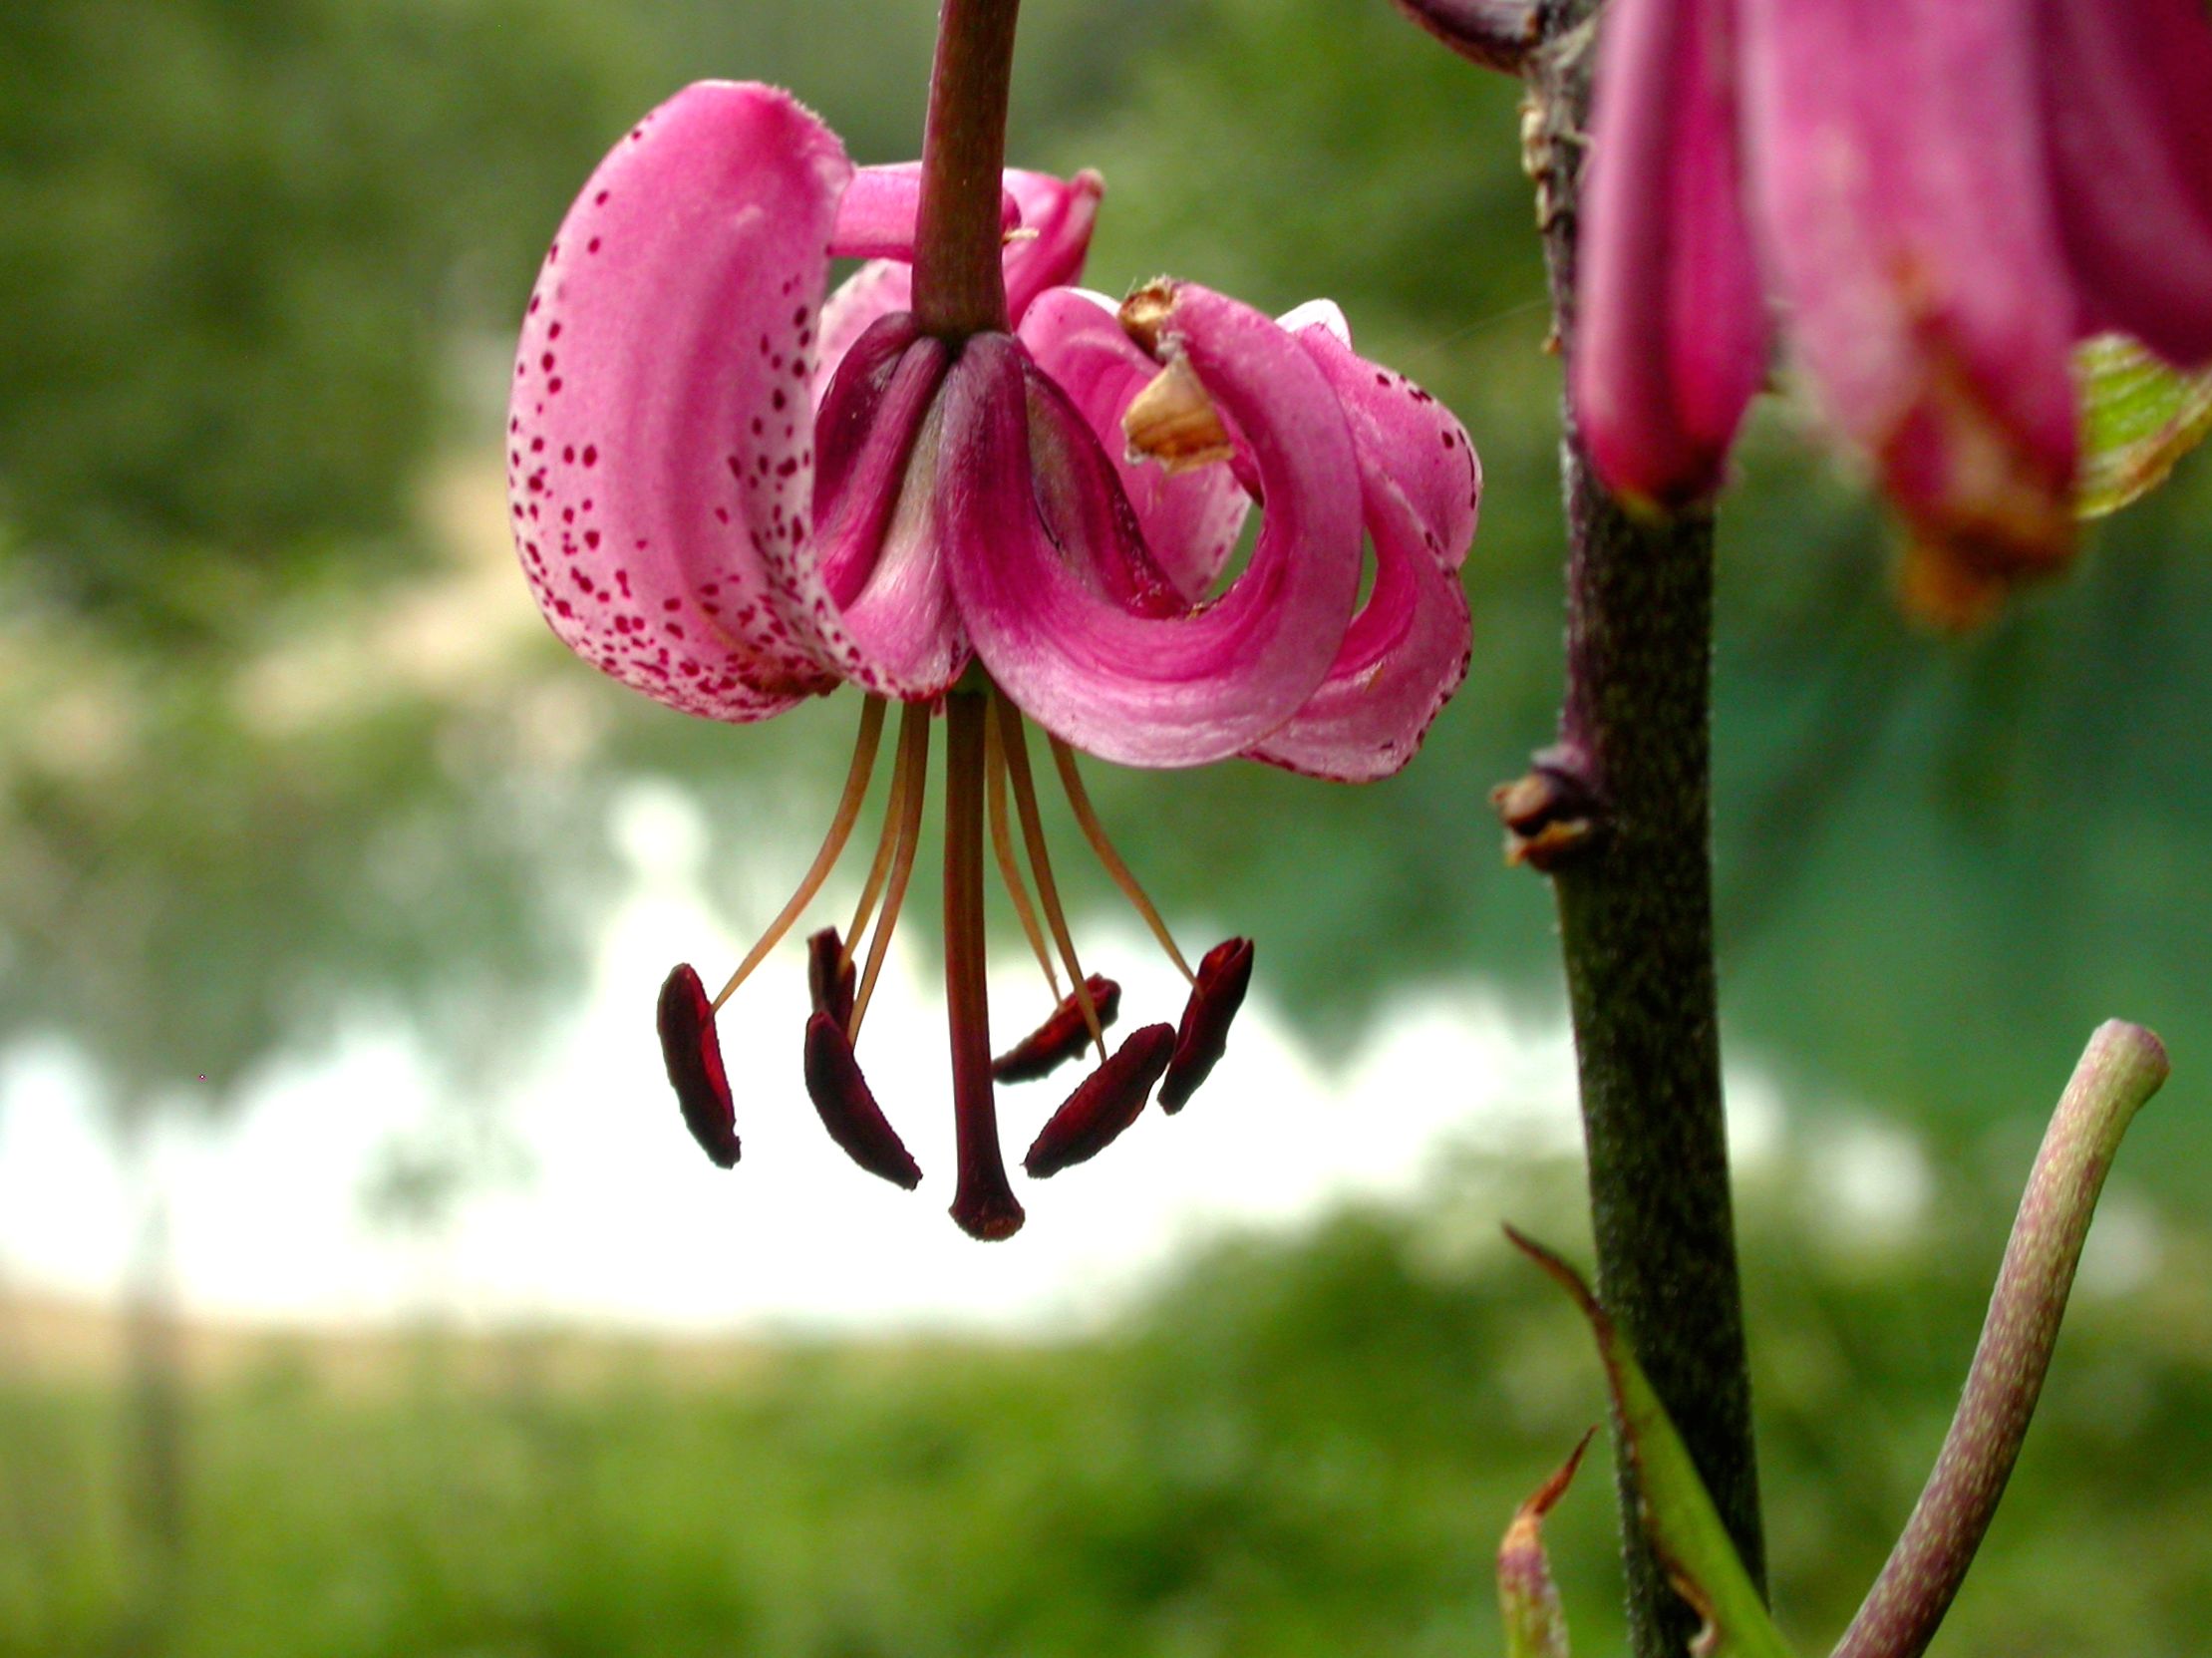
(2140, 416)
(1677, 1514)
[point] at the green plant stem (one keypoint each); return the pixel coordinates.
(1636, 922)
(958, 285)
(2123, 1065)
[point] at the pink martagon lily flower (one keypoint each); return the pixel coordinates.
(1938, 199)
(735, 493)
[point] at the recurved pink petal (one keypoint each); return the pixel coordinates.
(1048, 251)
(660, 440)
(2128, 89)
(1401, 431)
(1407, 650)
(1190, 520)
(1906, 219)
(875, 218)
(1159, 690)
(1672, 330)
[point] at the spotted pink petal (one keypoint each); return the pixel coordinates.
(1408, 649)
(1672, 330)
(661, 440)
(1191, 520)
(1053, 217)
(1143, 689)
(1902, 188)
(1401, 429)
(2128, 87)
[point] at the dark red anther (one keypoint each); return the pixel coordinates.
(1223, 977)
(1105, 1102)
(1060, 1037)
(694, 1056)
(849, 1109)
(829, 976)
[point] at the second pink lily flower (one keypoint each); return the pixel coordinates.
(1938, 199)
(734, 492)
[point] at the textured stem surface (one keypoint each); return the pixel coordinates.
(1636, 922)
(2122, 1066)
(959, 288)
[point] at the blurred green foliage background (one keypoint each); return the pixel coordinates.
(267, 765)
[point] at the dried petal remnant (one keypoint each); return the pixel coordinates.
(694, 1056)
(1174, 422)
(1223, 977)
(1107, 1101)
(1060, 1037)
(849, 1109)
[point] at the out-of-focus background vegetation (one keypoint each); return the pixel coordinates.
(281, 749)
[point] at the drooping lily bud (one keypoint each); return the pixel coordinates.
(1908, 225)
(1673, 329)
(2129, 94)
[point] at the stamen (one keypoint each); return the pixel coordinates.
(1002, 846)
(693, 1054)
(1224, 974)
(829, 976)
(1105, 1104)
(886, 843)
(984, 1204)
(1016, 744)
(841, 830)
(1079, 802)
(848, 1109)
(1059, 1038)
(913, 747)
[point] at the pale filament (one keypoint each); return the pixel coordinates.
(833, 844)
(1079, 801)
(914, 738)
(1002, 847)
(1016, 746)
(886, 843)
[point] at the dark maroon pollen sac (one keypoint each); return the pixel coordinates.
(1223, 977)
(829, 976)
(694, 1056)
(849, 1109)
(1060, 1037)
(1105, 1104)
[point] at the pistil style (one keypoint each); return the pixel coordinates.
(983, 1204)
